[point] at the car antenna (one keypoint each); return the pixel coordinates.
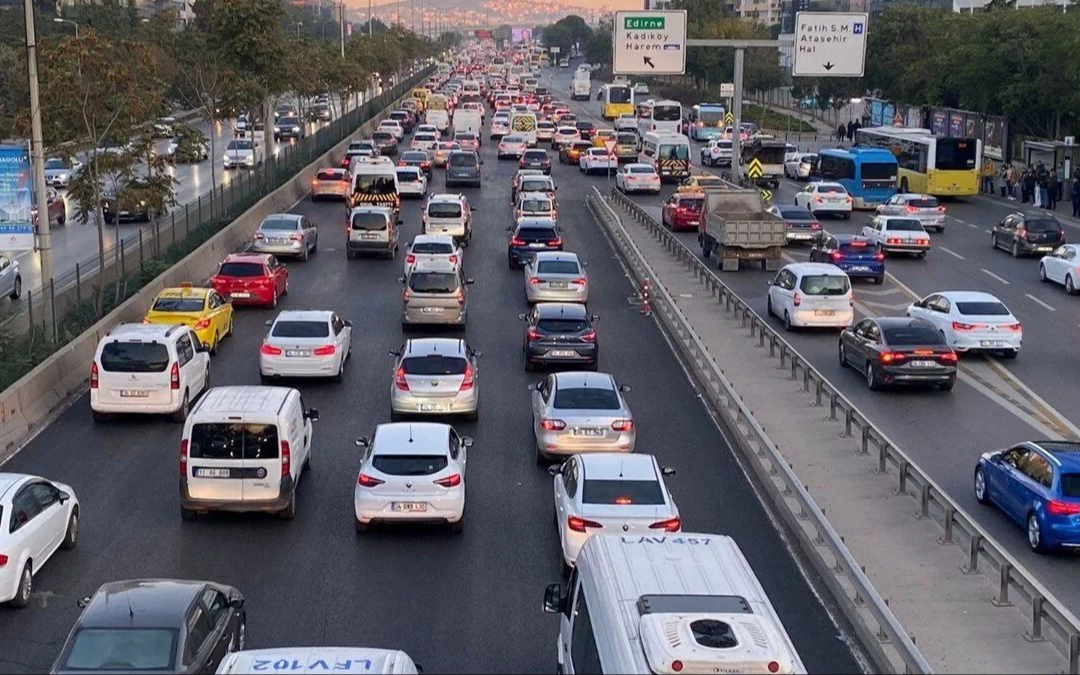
(622, 466)
(410, 433)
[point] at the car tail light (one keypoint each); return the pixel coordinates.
(580, 524)
(677, 665)
(549, 424)
(815, 226)
(174, 377)
(367, 481)
(589, 336)
(468, 381)
(259, 235)
(3, 561)
(533, 334)
(202, 324)
(774, 667)
(515, 241)
(669, 525)
(892, 357)
(894, 241)
(910, 209)
(405, 296)
(461, 298)
(400, 382)
(453, 258)
(958, 325)
(923, 242)
(623, 425)
(835, 256)
(325, 350)
(817, 198)
(948, 357)
(183, 457)
(879, 256)
(1014, 327)
(270, 350)
(848, 199)
(93, 376)
(579, 282)
(535, 282)
(286, 458)
(557, 241)
(1059, 508)
(797, 300)
(451, 481)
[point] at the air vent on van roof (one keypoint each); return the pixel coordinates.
(712, 643)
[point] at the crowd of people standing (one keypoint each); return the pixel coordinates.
(1041, 186)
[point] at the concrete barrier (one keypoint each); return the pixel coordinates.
(28, 405)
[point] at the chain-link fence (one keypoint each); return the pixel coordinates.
(49, 317)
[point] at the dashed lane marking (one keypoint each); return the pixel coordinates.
(994, 276)
(1039, 302)
(951, 252)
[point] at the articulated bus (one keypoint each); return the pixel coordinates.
(940, 166)
(659, 116)
(615, 100)
(868, 174)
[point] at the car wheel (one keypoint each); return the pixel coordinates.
(1042, 273)
(879, 280)
(25, 588)
(1069, 287)
(1016, 249)
(842, 355)
(847, 216)
(180, 416)
(787, 322)
(871, 378)
(16, 291)
(982, 493)
(340, 377)
(1010, 354)
(214, 344)
(100, 417)
(350, 255)
(71, 536)
(768, 306)
(289, 512)
(566, 572)
(994, 241)
(1034, 534)
(273, 299)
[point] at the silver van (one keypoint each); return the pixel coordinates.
(372, 229)
(463, 167)
(434, 294)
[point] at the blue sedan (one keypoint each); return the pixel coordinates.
(856, 255)
(1037, 484)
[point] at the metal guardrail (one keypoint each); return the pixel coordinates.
(1049, 618)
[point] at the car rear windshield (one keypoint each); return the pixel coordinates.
(382, 136)
(462, 136)
(434, 365)
(622, 492)
(278, 224)
(409, 465)
(692, 204)
(330, 175)
(414, 156)
(536, 205)
(913, 336)
(833, 187)
(436, 247)
(642, 169)
(178, 305)
(586, 398)
(1070, 485)
(233, 441)
(134, 357)
(463, 160)
(904, 225)
(626, 139)
(433, 282)
(444, 210)
(121, 649)
(1042, 225)
(536, 154)
(923, 202)
(797, 214)
(982, 309)
(825, 284)
(558, 267)
(408, 177)
(562, 325)
(290, 121)
(536, 234)
(369, 222)
(301, 329)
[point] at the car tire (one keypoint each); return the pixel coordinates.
(273, 299)
(289, 512)
(871, 378)
(25, 588)
(847, 216)
(1042, 273)
(948, 384)
(879, 280)
(340, 376)
(788, 326)
(1010, 354)
(100, 417)
(842, 355)
(188, 515)
(350, 255)
(1034, 534)
(71, 535)
(16, 291)
(214, 345)
(566, 572)
(180, 416)
(315, 246)
(1070, 288)
(982, 490)
(768, 306)
(994, 241)
(305, 255)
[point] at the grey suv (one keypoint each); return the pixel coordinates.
(463, 167)
(434, 295)
(372, 229)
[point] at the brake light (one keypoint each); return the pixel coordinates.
(452, 258)
(533, 334)
(879, 256)
(580, 524)
(835, 256)
(923, 242)
(815, 226)
(941, 209)
(958, 325)
(400, 382)
(894, 241)
(911, 209)
(405, 296)
(623, 425)
(461, 298)
(327, 350)
(451, 481)
(93, 375)
(549, 424)
(202, 324)
(1014, 327)
(174, 377)
(579, 282)
(669, 525)
(286, 458)
(515, 241)
(892, 357)
(948, 357)
(534, 282)
(259, 235)
(557, 241)
(3, 561)
(367, 481)
(410, 259)
(848, 199)
(183, 457)
(677, 666)
(797, 300)
(1058, 508)
(467, 383)
(774, 667)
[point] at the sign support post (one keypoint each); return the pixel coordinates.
(37, 150)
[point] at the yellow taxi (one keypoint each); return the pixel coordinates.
(698, 183)
(203, 309)
(601, 136)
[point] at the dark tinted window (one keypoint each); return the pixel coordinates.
(904, 225)
(825, 284)
(536, 155)
(179, 304)
(583, 649)
(535, 186)
(301, 329)
(692, 204)
(674, 152)
(667, 113)
(586, 398)
(134, 357)
(836, 168)
(433, 282)
(434, 365)
(241, 270)
(330, 175)
(233, 441)
(410, 465)
(384, 136)
(289, 121)
(444, 210)
(796, 214)
(558, 267)
(878, 171)
(1042, 225)
(408, 177)
(279, 224)
(619, 94)
(623, 492)
(1070, 485)
(982, 309)
(535, 205)
(414, 156)
(375, 184)
(956, 154)
(626, 139)
(432, 247)
(463, 159)
(923, 203)
(537, 233)
(913, 336)
(369, 222)
(642, 169)
(562, 325)
(120, 649)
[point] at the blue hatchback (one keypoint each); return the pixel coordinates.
(1037, 484)
(857, 256)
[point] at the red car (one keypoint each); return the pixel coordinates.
(683, 211)
(251, 279)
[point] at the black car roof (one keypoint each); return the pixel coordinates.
(146, 602)
(560, 310)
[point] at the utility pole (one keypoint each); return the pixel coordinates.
(37, 150)
(412, 15)
(341, 24)
(370, 20)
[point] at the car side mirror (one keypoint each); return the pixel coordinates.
(63, 497)
(553, 599)
(667, 471)
(83, 603)
(400, 221)
(625, 388)
(268, 323)
(401, 280)
(472, 208)
(555, 470)
(348, 324)
(362, 442)
(770, 282)
(467, 442)
(509, 229)
(533, 387)
(236, 603)
(522, 316)
(996, 459)
(594, 317)
(394, 352)
(311, 414)
(202, 348)
(470, 282)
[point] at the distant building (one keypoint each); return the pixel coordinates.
(768, 12)
(184, 9)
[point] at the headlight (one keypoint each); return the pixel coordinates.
(296, 128)
(63, 178)
(250, 159)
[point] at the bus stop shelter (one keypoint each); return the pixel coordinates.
(1052, 153)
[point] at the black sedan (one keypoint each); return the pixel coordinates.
(585, 129)
(125, 203)
(898, 350)
(530, 236)
(288, 127)
(536, 159)
(559, 333)
(155, 626)
(417, 158)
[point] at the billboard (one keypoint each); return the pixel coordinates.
(16, 199)
(521, 34)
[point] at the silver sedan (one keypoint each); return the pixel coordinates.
(579, 412)
(286, 234)
(435, 376)
(556, 276)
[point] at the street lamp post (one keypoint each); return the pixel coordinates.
(73, 23)
(37, 150)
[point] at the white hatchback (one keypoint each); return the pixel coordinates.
(637, 178)
(598, 159)
(823, 197)
(412, 472)
(972, 321)
(306, 344)
(424, 140)
(812, 295)
(1062, 266)
(412, 181)
(40, 517)
(432, 248)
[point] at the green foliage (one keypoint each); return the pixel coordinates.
(251, 41)
(191, 145)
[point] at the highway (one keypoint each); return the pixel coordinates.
(467, 603)
(997, 403)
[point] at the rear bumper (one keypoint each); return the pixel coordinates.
(371, 246)
(535, 294)
(314, 366)
(448, 317)
(555, 443)
(447, 508)
(457, 404)
(256, 298)
(807, 318)
(902, 375)
(237, 505)
(136, 406)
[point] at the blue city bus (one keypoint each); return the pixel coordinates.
(706, 121)
(868, 174)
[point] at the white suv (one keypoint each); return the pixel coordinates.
(149, 369)
(812, 295)
(448, 214)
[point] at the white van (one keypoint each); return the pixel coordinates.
(302, 660)
(244, 449)
(375, 183)
(524, 124)
(678, 603)
(468, 121)
(812, 295)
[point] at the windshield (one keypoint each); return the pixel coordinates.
(622, 492)
(825, 284)
(667, 113)
(241, 270)
(692, 204)
(369, 222)
(178, 305)
(562, 325)
(536, 234)
(956, 154)
(434, 365)
(982, 309)
(904, 225)
(289, 121)
(134, 357)
(558, 267)
(674, 152)
(586, 398)
(618, 94)
(433, 282)
(409, 465)
(55, 164)
(120, 649)
(464, 137)
(376, 184)
(414, 156)
(797, 214)
(626, 139)
(711, 117)
(278, 224)
(460, 160)
(384, 136)
(234, 441)
(239, 145)
(535, 155)
(878, 171)
(301, 329)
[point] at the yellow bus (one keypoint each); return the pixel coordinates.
(615, 100)
(943, 166)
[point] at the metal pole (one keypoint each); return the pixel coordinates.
(370, 22)
(341, 23)
(37, 149)
(736, 131)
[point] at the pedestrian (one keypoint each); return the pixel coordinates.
(1004, 180)
(1060, 171)
(850, 131)
(1027, 185)
(1014, 178)
(1040, 185)
(841, 132)
(1076, 198)
(988, 172)
(1051, 190)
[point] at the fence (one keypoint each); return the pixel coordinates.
(1049, 619)
(66, 305)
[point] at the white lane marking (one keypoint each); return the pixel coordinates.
(994, 276)
(973, 226)
(1039, 302)
(988, 230)
(951, 252)
(962, 222)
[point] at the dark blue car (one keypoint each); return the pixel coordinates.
(529, 237)
(1037, 484)
(857, 256)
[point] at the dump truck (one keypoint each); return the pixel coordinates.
(736, 226)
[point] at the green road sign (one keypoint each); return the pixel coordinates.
(644, 23)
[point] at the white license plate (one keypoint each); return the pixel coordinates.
(434, 407)
(923, 364)
(212, 473)
(134, 393)
(587, 431)
(824, 312)
(537, 244)
(369, 236)
(562, 354)
(297, 352)
(992, 343)
(800, 235)
(279, 241)
(860, 268)
(558, 284)
(409, 507)
(239, 295)
(431, 310)
(1043, 249)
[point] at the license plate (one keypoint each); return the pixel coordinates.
(859, 268)
(800, 235)
(434, 407)
(562, 353)
(240, 295)
(1044, 249)
(923, 364)
(824, 312)
(409, 507)
(134, 393)
(536, 244)
(558, 284)
(587, 431)
(369, 236)
(212, 473)
(297, 352)
(431, 310)
(279, 241)
(991, 343)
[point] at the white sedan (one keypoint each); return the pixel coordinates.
(306, 344)
(598, 159)
(971, 321)
(824, 197)
(39, 517)
(637, 178)
(412, 181)
(1062, 266)
(411, 472)
(394, 127)
(427, 249)
(610, 492)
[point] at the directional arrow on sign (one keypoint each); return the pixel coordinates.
(649, 63)
(755, 170)
(829, 66)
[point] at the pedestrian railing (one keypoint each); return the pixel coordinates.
(1015, 584)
